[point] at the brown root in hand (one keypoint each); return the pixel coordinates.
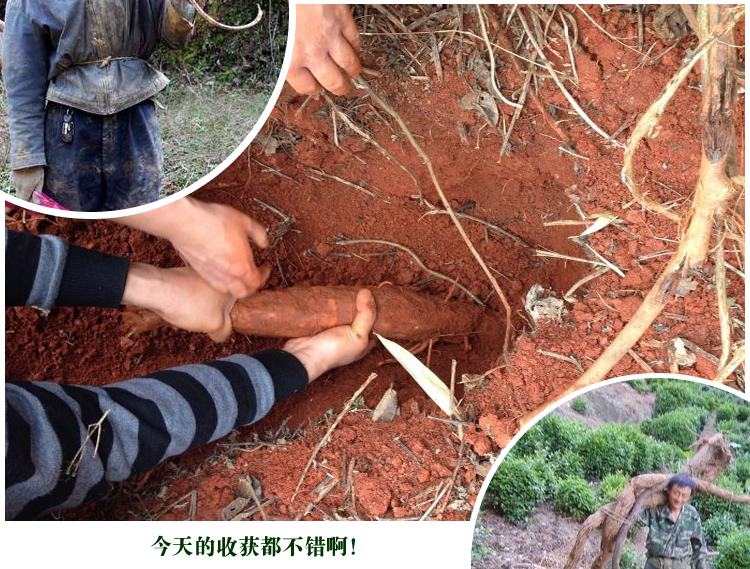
(296, 312)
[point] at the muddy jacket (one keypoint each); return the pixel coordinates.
(87, 54)
(675, 545)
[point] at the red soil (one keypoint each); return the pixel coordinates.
(396, 470)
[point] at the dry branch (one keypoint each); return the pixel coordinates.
(714, 195)
(324, 441)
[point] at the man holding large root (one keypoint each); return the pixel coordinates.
(675, 536)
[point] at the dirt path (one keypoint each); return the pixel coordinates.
(398, 470)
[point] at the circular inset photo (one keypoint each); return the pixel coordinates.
(646, 473)
(107, 106)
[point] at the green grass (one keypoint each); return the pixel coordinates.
(4, 143)
(201, 126)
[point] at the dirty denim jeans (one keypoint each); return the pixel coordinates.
(113, 162)
(667, 563)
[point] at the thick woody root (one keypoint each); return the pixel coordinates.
(715, 194)
(712, 456)
(296, 312)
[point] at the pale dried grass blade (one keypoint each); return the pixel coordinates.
(427, 380)
(601, 222)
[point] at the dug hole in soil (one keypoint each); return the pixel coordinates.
(326, 183)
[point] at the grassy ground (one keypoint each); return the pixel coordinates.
(202, 123)
(4, 143)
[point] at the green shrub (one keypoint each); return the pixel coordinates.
(641, 385)
(672, 395)
(566, 464)
(553, 434)
(611, 487)
(716, 527)
(734, 550)
(726, 412)
(606, 450)
(664, 456)
(562, 434)
(739, 470)
(743, 412)
(574, 497)
(516, 488)
(579, 405)
(531, 443)
(646, 452)
(630, 559)
(680, 427)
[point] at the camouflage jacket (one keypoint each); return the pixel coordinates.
(675, 545)
(87, 54)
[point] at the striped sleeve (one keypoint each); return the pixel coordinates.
(51, 464)
(45, 271)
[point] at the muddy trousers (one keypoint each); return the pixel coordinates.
(667, 563)
(102, 163)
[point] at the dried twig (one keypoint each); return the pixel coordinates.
(211, 20)
(596, 274)
(647, 125)
(434, 503)
(362, 189)
(91, 430)
(364, 134)
(737, 359)
(569, 359)
(562, 88)
(725, 322)
(491, 226)
(493, 80)
(193, 495)
(324, 441)
(362, 84)
(419, 262)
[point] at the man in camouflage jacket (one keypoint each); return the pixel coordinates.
(675, 535)
(83, 125)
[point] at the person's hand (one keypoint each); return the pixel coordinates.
(180, 297)
(337, 346)
(325, 42)
(213, 239)
(26, 180)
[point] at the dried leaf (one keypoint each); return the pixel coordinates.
(542, 305)
(427, 380)
(387, 409)
(685, 287)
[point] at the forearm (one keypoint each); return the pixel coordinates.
(25, 70)
(168, 221)
(142, 422)
(46, 271)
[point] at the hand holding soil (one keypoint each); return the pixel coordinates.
(338, 346)
(326, 41)
(213, 239)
